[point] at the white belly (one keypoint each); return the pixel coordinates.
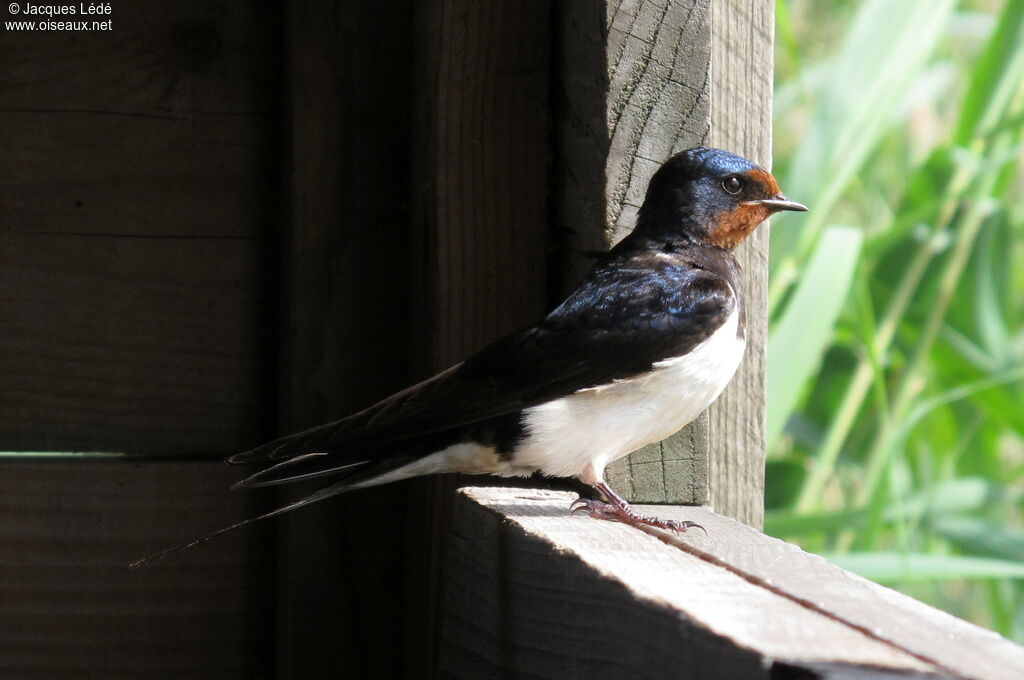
(593, 427)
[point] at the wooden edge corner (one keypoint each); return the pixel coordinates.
(527, 581)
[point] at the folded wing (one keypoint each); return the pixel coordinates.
(616, 325)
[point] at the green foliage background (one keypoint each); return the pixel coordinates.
(896, 380)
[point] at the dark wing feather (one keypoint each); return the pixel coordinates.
(617, 324)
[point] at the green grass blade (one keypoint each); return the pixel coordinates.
(981, 536)
(989, 89)
(783, 524)
(964, 494)
(784, 31)
(850, 121)
(886, 567)
(988, 302)
(796, 343)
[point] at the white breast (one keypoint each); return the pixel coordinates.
(595, 426)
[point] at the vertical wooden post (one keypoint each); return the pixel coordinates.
(616, 124)
(480, 175)
(667, 68)
(341, 595)
(136, 201)
(742, 65)
(479, 222)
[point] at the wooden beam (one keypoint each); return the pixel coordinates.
(137, 203)
(676, 74)
(70, 607)
(742, 67)
(138, 199)
(147, 346)
(634, 87)
(479, 223)
(481, 175)
(344, 257)
(533, 590)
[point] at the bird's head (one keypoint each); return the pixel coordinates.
(710, 196)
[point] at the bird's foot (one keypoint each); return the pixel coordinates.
(595, 509)
(625, 513)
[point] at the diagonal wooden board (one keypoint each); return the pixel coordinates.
(765, 597)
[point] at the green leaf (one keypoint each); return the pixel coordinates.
(886, 567)
(981, 536)
(850, 121)
(987, 303)
(798, 340)
(789, 524)
(964, 494)
(994, 78)
(783, 479)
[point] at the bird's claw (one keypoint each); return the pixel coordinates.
(610, 511)
(678, 526)
(577, 505)
(595, 509)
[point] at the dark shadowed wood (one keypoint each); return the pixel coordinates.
(480, 220)
(138, 196)
(741, 121)
(480, 224)
(70, 607)
(341, 598)
(138, 345)
(633, 88)
(158, 127)
(536, 593)
(135, 209)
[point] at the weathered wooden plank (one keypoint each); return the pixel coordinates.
(70, 607)
(136, 207)
(480, 220)
(633, 88)
(802, 610)
(344, 323)
(160, 58)
(203, 175)
(481, 210)
(741, 121)
(534, 592)
(161, 126)
(951, 645)
(659, 95)
(137, 345)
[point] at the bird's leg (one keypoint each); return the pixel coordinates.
(617, 509)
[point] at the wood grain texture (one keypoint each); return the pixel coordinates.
(137, 200)
(950, 645)
(340, 592)
(614, 128)
(534, 592)
(70, 607)
(158, 127)
(136, 215)
(659, 96)
(741, 107)
(481, 176)
(479, 224)
(149, 346)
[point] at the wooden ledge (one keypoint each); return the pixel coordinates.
(533, 592)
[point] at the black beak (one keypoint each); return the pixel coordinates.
(780, 202)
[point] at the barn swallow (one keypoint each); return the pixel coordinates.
(646, 343)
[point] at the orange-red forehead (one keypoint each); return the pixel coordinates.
(765, 179)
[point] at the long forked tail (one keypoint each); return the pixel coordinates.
(326, 492)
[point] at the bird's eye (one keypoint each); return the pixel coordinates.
(732, 184)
